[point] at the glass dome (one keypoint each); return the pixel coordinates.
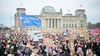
(48, 9)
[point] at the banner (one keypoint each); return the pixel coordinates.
(28, 20)
(30, 34)
(96, 30)
(48, 42)
(92, 32)
(37, 35)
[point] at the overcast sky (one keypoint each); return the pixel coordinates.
(34, 7)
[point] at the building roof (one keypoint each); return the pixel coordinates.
(20, 8)
(48, 9)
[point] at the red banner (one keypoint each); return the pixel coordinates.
(92, 32)
(96, 30)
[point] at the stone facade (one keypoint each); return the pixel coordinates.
(52, 20)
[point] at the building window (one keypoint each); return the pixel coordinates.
(63, 25)
(81, 20)
(69, 20)
(72, 25)
(75, 20)
(66, 20)
(66, 25)
(81, 25)
(75, 25)
(69, 25)
(63, 21)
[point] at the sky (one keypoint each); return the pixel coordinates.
(34, 7)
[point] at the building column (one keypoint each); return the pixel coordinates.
(48, 23)
(65, 23)
(59, 24)
(51, 23)
(54, 23)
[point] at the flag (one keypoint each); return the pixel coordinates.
(80, 29)
(80, 5)
(92, 32)
(71, 18)
(96, 30)
(28, 20)
(69, 30)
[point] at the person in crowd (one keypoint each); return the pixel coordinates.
(19, 44)
(89, 52)
(67, 51)
(84, 48)
(98, 50)
(79, 51)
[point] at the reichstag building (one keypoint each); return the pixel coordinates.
(52, 20)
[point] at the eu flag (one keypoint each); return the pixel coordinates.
(29, 20)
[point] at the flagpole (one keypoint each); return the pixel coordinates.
(20, 3)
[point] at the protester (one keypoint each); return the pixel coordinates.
(19, 44)
(80, 52)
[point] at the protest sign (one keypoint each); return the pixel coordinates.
(92, 32)
(36, 35)
(47, 41)
(96, 30)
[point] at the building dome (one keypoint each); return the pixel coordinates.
(48, 9)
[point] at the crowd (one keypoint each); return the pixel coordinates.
(20, 44)
(90, 47)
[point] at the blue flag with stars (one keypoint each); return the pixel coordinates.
(29, 20)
